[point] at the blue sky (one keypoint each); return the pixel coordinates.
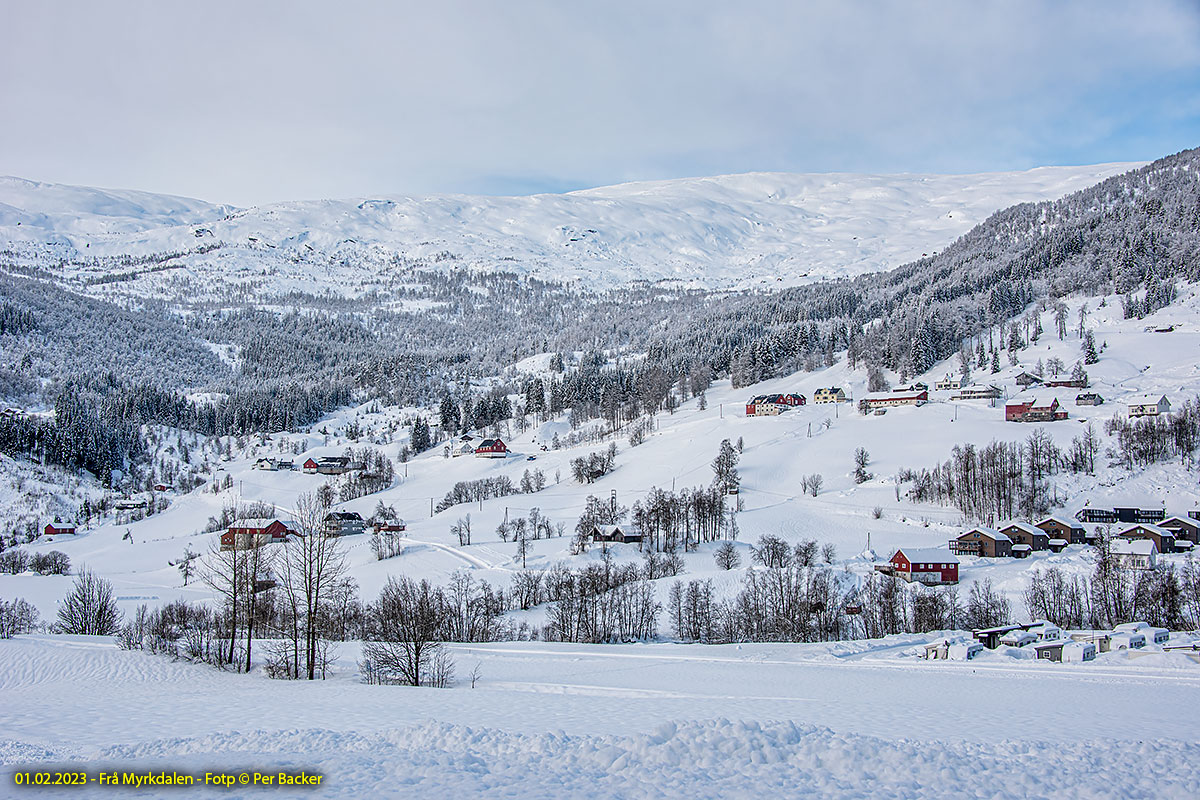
(250, 103)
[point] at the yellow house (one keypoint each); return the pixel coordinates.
(831, 395)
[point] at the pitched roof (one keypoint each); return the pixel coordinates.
(1134, 547)
(1145, 399)
(898, 394)
(927, 555)
(1022, 526)
(258, 522)
(1061, 520)
(1152, 528)
(985, 530)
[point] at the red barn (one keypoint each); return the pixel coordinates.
(491, 448)
(924, 565)
(58, 528)
(244, 534)
(309, 466)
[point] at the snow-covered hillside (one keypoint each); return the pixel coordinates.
(778, 453)
(734, 231)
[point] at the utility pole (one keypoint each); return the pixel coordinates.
(431, 506)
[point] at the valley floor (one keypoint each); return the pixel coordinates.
(654, 720)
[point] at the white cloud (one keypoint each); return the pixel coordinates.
(247, 102)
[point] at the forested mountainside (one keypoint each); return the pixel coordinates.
(427, 330)
(1133, 234)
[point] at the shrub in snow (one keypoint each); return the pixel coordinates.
(16, 617)
(90, 608)
(52, 563)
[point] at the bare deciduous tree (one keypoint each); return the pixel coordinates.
(90, 609)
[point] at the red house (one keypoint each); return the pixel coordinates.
(1033, 410)
(771, 404)
(58, 528)
(309, 466)
(924, 565)
(491, 448)
(244, 534)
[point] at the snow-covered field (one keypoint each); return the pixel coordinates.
(758, 229)
(657, 720)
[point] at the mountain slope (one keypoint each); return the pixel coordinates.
(718, 232)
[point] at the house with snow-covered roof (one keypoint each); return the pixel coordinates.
(1148, 405)
(899, 397)
(492, 448)
(977, 391)
(948, 384)
(57, 528)
(1023, 533)
(833, 394)
(248, 533)
(926, 565)
(620, 534)
(982, 541)
(1070, 531)
(772, 404)
(1163, 538)
(1033, 409)
(1185, 528)
(1134, 553)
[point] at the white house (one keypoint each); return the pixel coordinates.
(1136, 553)
(1148, 405)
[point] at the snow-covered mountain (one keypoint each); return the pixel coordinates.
(732, 231)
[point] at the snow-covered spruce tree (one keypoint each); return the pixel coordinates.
(1089, 347)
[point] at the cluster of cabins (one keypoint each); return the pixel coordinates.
(486, 448)
(1050, 642)
(1034, 409)
(1022, 408)
(1137, 545)
(770, 405)
(247, 534)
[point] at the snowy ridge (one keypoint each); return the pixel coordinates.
(733, 231)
